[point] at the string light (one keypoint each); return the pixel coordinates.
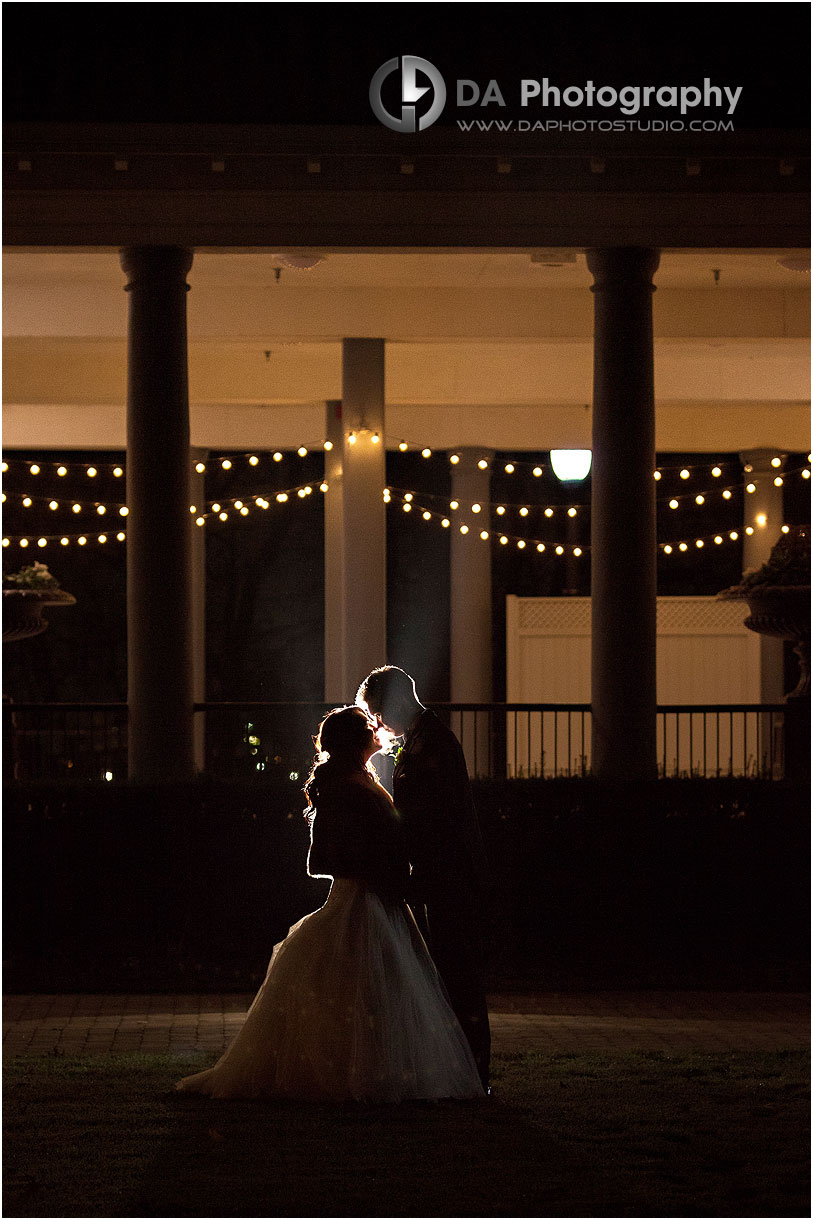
(716, 472)
(302, 451)
(403, 446)
(523, 512)
(685, 474)
(572, 512)
(482, 464)
(327, 446)
(445, 523)
(777, 461)
(560, 550)
(351, 439)
(657, 476)
(778, 481)
(253, 460)
(548, 512)
(761, 520)
(426, 453)
(674, 504)
(484, 535)
(537, 472)
(200, 467)
(464, 529)
(61, 470)
(226, 464)
(375, 438)
(750, 488)
(510, 468)
(92, 472)
(454, 459)
(34, 469)
(476, 508)
(277, 456)
(118, 472)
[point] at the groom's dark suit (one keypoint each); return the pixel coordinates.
(449, 874)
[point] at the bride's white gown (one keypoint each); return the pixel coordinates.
(352, 1008)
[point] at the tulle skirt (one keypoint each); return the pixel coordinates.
(352, 1009)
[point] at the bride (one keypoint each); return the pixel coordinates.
(352, 1007)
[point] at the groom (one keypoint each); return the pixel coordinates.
(431, 791)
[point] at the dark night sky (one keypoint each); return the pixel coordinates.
(311, 64)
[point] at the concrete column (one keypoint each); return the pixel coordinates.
(355, 525)
(763, 512)
(470, 604)
(623, 535)
(159, 525)
(197, 491)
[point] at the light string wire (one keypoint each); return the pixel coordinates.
(215, 507)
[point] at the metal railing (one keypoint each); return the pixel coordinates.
(88, 741)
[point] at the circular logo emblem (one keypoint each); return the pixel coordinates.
(411, 91)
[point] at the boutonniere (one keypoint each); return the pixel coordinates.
(398, 754)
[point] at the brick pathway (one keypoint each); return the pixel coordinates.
(653, 1020)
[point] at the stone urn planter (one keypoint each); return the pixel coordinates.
(778, 597)
(25, 596)
(784, 611)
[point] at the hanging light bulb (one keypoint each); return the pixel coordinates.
(226, 464)
(302, 451)
(716, 471)
(277, 456)
(403, 446)
(537, 472)
(92, 472)
(118, 472)
(685, 474)
(454, 459)
(351, 439)
(426, 453)
(328, 445)
(482, 464)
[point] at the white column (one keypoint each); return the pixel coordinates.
(159, 529)
(355, 525)
(470, 593)
(470, 605)
(623, 516)
(197, 489)
(763, 512)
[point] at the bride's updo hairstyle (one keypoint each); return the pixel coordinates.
(341, 741)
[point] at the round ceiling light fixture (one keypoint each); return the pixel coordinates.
(299, 262)
(796, 262)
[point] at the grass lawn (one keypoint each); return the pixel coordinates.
(619, 1134)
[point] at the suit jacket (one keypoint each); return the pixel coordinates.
(432, 793)
(356, 832)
